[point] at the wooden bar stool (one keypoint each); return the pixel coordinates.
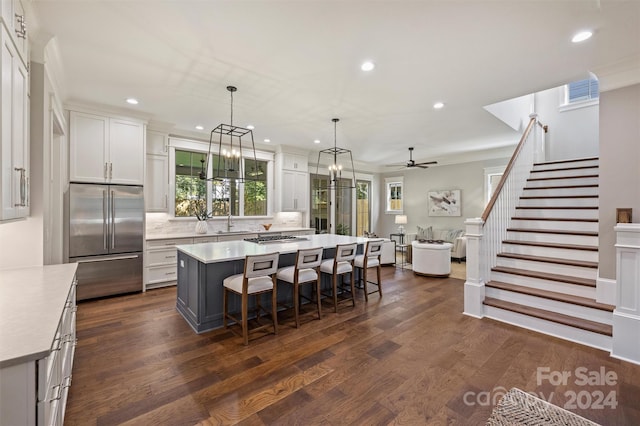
(259, 277)
(370, 259)
(340, 265)
(304, 271)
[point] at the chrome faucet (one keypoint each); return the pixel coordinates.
(229, 223)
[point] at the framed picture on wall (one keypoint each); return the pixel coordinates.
(444, 203)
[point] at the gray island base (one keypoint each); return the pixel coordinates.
(203, 267)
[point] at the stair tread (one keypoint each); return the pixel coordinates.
(566, 161)
(561, 187)
(570, 262)
(546, 276)
(595, 327)
(552, 245)
(553, 295)
(554, 231)
(564, 169)
(557, 219)
(557, 207)
(542, 197)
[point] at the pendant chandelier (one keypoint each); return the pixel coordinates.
(231, 158)
(337, 157)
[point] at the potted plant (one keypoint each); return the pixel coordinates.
(199, 209)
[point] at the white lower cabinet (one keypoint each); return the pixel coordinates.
(161, 262)
(35, 392)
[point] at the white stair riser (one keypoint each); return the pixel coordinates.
(587, 255)
(554, 202)
(562, 182)
(542, 284)
(554, 225)
(547, 327)
(583, 163)
(552, 268)
(563, 173)
(582, 240)
(550, 192)
(578, 311)
(563, 213)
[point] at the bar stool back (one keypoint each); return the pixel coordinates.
(259, 277)
(340, 265)
(370, 259)
(305, 270)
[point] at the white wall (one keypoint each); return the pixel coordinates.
(619, 171)
(573, 133)
(467, 177)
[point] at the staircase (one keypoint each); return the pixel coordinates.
(545, 275)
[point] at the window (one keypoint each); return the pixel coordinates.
(188, 185)
(581, 93)
(223, 197)
(394, 201)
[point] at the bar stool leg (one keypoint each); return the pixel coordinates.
(379, 280)
(296, 301)
(274, 307)
(225, 301)
(335, 292)
(365, 278)
(245, 322)
(353, 287)
(318, 296)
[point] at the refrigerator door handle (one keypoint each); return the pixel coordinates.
(113, 221)
(105, 227)
(134, 256)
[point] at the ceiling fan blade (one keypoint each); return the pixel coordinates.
(422, 166)
(426, 163)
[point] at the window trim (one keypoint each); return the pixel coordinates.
(203, 147)
(567, 105)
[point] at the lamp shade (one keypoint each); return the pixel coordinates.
(401, 219)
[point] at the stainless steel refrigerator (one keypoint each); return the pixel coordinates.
(106, 233)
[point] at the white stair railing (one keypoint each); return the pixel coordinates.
(485, 234)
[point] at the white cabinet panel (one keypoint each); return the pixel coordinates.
(89, 135)
(156, 185)
(157, 142)
(14, 121)
(106, 150)
(126, 152)
(294, 189)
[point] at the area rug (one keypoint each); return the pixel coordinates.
(520, 408)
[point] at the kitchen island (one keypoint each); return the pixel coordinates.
(203, 267)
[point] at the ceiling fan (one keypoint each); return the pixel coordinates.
(411, 163)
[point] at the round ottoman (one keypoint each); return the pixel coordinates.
(432, 259)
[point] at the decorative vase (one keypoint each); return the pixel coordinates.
(202, 227)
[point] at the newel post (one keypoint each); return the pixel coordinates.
(474, 285)
(626, 316)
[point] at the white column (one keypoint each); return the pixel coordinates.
(626, 316)
(474, 285)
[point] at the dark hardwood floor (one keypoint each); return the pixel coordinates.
(409, 358)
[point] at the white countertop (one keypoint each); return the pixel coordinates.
(273, 230)
(31, 304)
(235, 250)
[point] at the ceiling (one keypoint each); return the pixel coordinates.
(297, 65)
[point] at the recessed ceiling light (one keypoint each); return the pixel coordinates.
(438, 105)
(267, 140)
(581, 36)
(250, 127)
(132, 101)
(367, 66)
(199, 127)
(316, 141)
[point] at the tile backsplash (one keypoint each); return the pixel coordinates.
(162, 223)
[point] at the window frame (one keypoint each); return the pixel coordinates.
(388, 182)
(181, 144)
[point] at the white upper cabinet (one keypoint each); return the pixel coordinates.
(157, 142)
(14, 19)
(292, 181)
(156, 184)
(14, 122)
(105, 149)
